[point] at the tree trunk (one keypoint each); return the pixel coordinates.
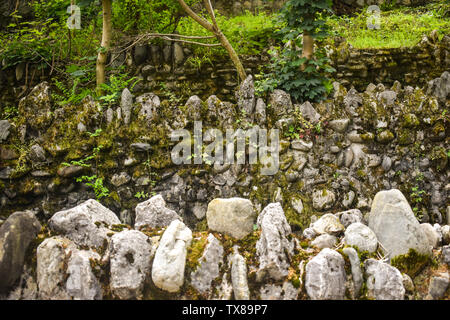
(106, 39)
(233, 55)
(214, 28)
(308, 48)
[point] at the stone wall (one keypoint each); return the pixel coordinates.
(169, 64)
(337, 169)
(412, 66)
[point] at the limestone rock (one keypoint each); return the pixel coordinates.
(154, 213)
(384, 282)
(324, 241)
(325, 276)
(328, 223)
(36, 108)
(323, 199)
(360, 236)
(130, 254)
(432, 235)
(260, 112)
(273, 248)
(170, 257)
(16, 234)
(4, 129)
(438, 286)
(239, 277)
(194, 108)
(120, 179)
(340, 125)
(395, 225)
(440, 87)
(126, 104)
(149, 104)
(246, 96)
(85, 223)
(349, 217)
(81, 282)
(234, 216)
(357, 275)
(280, 102)
(209, 266)
(309, 113)
(52, 257)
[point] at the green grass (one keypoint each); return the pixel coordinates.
(402, 27)
(248, 33)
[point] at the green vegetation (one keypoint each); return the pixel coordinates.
(301, 72)
(411, 263)
(401, 27)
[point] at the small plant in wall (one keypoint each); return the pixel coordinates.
(93, 181)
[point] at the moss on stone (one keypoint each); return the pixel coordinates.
(411, 263)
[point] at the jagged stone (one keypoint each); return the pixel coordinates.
(154, 213)
(325, 276)
(126, 104)
(53, 255)
(395, 225)
(149, 104)
(239, 277)
(357, 274)
(209, 266)
(323, 199)
(130, 254)
(438, 286)
(234, 216)
(81, 282)
(328, 223)
(16, 234)
(384, 282)
(170, 257)
(246, 96)
(194, 108)
(360, 236)
(280, 102)
(4, 129)
(273, 248)
(85, 224)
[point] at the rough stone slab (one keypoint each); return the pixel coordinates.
(85, 223)
(16, 234)
(170, 257)
(209, 265)
(325, 276)
(361, 236)
(396, 227)
(273, 248)
(130, 254)
(384, 282)
(154, 213)
(234, 216)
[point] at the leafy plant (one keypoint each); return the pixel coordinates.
(97, 184)
(292, 69)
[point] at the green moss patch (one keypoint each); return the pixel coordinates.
(411, 263)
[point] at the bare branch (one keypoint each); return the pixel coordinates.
(210, 10)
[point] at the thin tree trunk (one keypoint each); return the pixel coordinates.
(233, 55)
(214, 28)
(308, 48)
(106, 39)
